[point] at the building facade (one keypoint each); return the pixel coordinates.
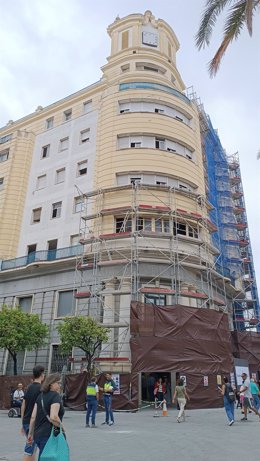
(105, 200)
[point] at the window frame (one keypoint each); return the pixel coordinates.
(4, 153)
(38, 182)
(72, 307)
(77, 203)
(49, 123)
(34, 210)
(155, 296)
(45, 151)
(62, 140)
(87, 104)
(58, 208)
(127, 227)
(67, 115)
(78, 168)
(17, 303)
(59, 170)
(84, 139)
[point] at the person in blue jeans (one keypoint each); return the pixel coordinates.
(108, 389)
(92, 396)
(226, 391)
(255, 393)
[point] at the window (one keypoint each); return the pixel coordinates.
(158, 111)
(6, 138)
(25, 304)
(84, 136)
(162, 225)
(192, 232)
(158, 300)
(64, 144)
(52, 247)
(125, 39)
(159, 143)
(123, 225)
(66, 303)
(41, 182)
(45, 151)
(125, 67)
(136, 145)
(67, 114)
(183, 229)
(4, 155)
(49, 123)
(56, 210)
(78, 204)
(60, 175)
(1, 183)
(135, 180)
(36, 215)
(31, 250)
(144, 224)
(82, 168)
(87, 106)
(74, 239)
(179, 228)
(59, 359)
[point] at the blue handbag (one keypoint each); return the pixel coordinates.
(56, 448)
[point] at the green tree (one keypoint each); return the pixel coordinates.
(20, 331)
(240, 14)
(84, 333)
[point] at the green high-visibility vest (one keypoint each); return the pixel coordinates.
(91, 389)
(107, 387)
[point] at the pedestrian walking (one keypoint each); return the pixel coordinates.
(255, 393)
(29, 400)
(159, 390)
(92, 397)
(229, 398)
(245, 391)
(108, 389)
(48, 412)
(181, 394)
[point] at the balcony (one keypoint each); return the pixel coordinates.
(41, 256)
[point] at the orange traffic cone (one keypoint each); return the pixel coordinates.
(164, 409)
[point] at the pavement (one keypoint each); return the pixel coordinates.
(204, 436)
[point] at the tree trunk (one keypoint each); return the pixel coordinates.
(14, 356)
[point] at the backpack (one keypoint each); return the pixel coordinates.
(230, 394)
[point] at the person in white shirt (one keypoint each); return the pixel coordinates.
(245, 390)
(18, 395)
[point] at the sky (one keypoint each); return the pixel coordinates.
(50, 49)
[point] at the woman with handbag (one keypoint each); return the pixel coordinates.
(181, 394)
(47, 413)
(229, 398)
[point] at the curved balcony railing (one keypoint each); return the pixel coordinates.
(39, 256)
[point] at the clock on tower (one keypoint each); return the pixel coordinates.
(150, 38)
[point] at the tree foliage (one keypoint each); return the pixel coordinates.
(20, 331)
(240, 14)
(84, 333)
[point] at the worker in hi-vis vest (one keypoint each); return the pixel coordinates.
(108, 390)
(92, 397)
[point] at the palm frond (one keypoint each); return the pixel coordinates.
(249, 15)
(209, 16)
(232, 29)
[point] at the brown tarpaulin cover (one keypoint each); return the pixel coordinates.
(193, 342)
(75, 389)
(246, 345)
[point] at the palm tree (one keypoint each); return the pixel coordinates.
(240, 13)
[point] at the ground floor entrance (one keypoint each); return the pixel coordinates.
(148, 381)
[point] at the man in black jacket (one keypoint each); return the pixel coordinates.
(27, 407)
